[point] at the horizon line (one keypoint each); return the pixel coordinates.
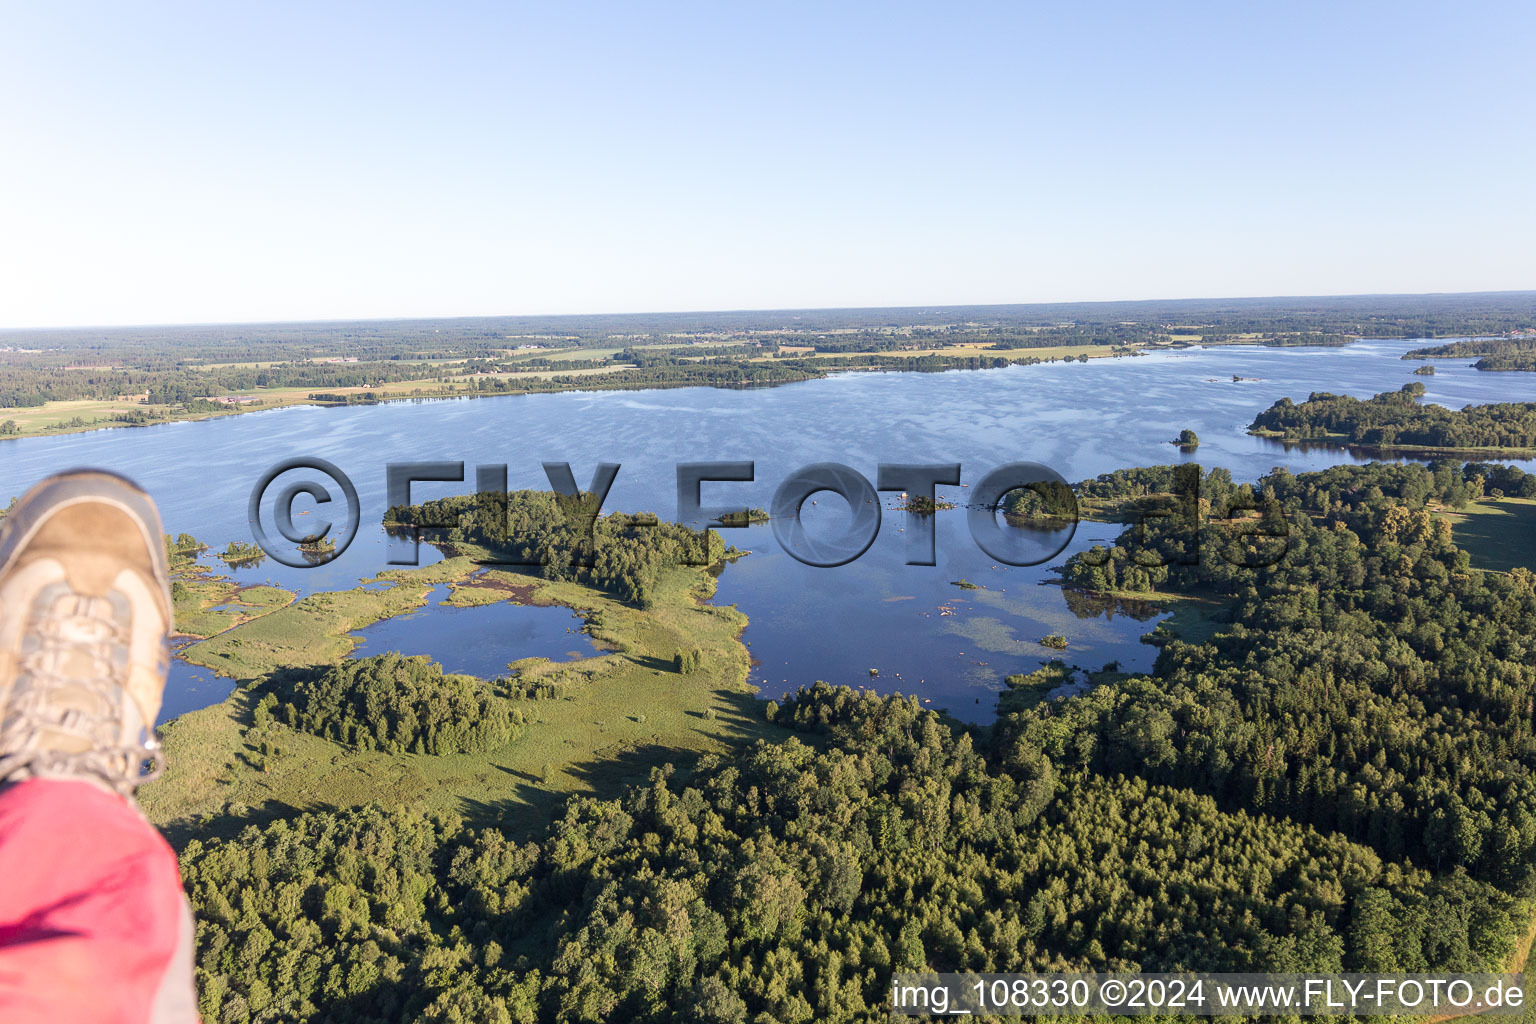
(934, 307)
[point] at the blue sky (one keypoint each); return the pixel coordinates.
(199, 162)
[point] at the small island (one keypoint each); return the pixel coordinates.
(239, 552)
(1187, 440)
(1425, 371)
(923, 506)
(744, 517)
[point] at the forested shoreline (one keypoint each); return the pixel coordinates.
(1395, 419)
(1339, 779)
(562, 537)
(1509, 353)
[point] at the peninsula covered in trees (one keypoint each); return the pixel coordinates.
(563, 538)
(1396, 419)
(1517, 352)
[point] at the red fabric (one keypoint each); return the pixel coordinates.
(90, 909)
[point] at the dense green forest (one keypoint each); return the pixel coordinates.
(1509, 359)
(787, 881)
(1395, 418)
(396, 704)
(1047, 500)
(1341, 778)
(1518, 353)
(564, 537)
(1371, 683)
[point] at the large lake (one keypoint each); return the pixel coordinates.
(909, 624)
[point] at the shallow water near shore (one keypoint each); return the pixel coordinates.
(480, 640)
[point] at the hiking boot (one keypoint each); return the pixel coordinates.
(85, 609)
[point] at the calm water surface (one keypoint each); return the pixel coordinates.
(479, 641)
(917, 631)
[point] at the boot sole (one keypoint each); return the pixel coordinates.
(83, 486)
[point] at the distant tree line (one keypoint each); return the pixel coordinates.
(177, 365)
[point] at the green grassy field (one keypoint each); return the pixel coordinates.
(616, 717)
(206, 603)
(50, 417)
(1498, 534)
(1194, 619)
(1047, 352)
(591, 371)
(571, 354)
(978, 350)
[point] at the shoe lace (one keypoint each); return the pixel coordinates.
(70, 681)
